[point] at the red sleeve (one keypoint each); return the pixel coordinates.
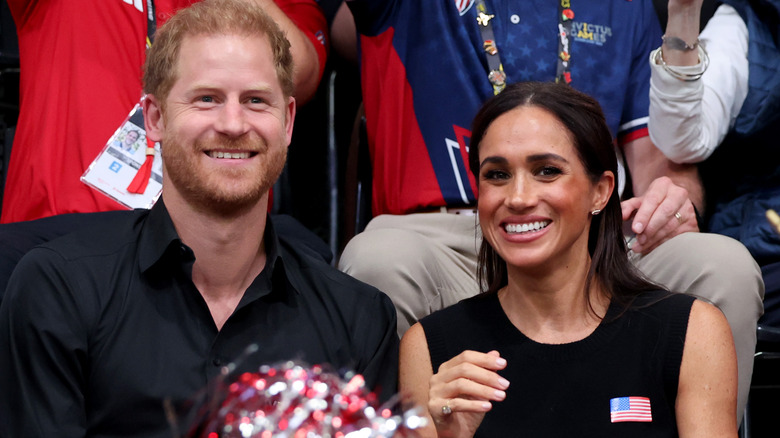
(308, 16)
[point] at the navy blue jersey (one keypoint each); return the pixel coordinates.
(425, 75)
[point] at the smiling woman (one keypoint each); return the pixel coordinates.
(589, 346)
(534, 193)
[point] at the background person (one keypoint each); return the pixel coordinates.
(723, 115)
(79, 66)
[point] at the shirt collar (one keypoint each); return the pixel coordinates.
(158, 234)
(159, 237)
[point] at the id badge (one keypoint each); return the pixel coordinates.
(117, 164)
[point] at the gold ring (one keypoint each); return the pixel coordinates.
(679, 217)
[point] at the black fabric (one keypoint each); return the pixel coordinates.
(17, 238)
(565, 390)
(100, 326)
(771, 274)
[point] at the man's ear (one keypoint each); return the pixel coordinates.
(289, 119)
(153, 118)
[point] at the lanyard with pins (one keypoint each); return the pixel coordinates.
(565, 25)
(496, 74)
(151, 23)
(141, 179)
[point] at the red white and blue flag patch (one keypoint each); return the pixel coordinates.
(630, 409)
(464, 5)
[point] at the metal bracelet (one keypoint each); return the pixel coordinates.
(658, 58)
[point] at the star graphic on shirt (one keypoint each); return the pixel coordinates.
(541, 41)
(524, 28)
(524, 74)
(510, 59)
(525, 50)
(541, 65)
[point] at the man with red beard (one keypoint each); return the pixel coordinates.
(98, 328)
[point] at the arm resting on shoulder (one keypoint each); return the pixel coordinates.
(688, 120)
(707, 393)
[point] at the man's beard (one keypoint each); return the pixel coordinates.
(225, 191)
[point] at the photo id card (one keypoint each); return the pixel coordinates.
(119, 161)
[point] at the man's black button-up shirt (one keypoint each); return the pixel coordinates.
(99, 327)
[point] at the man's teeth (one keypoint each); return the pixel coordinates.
(524, 228)
(229, 155)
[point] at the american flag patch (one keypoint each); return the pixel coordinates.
(630, 409)
(463, 6)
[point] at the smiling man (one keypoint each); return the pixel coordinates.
(98, 328)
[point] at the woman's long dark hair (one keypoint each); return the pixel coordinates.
(584, 119)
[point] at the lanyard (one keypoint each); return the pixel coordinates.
(141, 179)
(151, 23)
(496, 74)
(565, 25)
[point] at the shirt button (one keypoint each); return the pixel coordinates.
(217, 362)
(514, 18)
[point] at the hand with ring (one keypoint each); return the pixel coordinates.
(664, 211)
(463, 391)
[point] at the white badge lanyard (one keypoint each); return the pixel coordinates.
(129, 168)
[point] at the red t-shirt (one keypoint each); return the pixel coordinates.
(80, 77)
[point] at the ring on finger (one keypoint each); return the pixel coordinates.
(679, 217)
(446, 409)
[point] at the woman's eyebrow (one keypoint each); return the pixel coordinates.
(493, 160)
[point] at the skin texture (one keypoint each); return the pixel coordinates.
(227, 98)
(204, 114)
(683, 23)
(530, 173)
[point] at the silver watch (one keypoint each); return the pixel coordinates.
(676, 43)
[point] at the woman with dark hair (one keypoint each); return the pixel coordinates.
(589, 346)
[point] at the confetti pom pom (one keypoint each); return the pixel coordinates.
(296, 401)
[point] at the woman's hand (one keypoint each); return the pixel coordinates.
(466, 384)
(462, 391)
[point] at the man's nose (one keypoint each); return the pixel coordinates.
(232, 120)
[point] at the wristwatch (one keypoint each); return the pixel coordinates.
(676, 43)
